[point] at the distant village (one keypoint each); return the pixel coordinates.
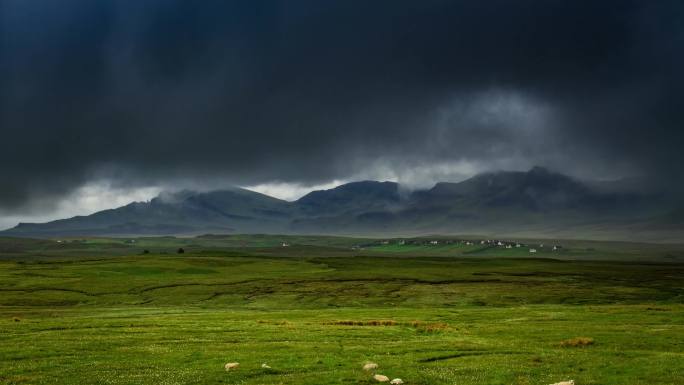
(475, 244)
(485, 243)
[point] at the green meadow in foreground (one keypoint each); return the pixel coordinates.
(102, 311)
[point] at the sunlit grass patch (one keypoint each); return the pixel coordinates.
(429, 327)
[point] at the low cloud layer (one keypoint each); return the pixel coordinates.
(158, 93)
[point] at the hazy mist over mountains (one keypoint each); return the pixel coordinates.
(108, 99)
(517, 203)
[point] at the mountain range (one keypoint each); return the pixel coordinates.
(533, 203)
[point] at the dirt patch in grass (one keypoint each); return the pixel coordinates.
(385, 322)
(420, 326)
(276, 322)
(577, 342)
(465, 354)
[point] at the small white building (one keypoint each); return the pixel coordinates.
(533, 250)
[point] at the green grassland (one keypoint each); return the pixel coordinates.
(102, 311)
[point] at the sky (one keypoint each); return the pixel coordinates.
(107, 101)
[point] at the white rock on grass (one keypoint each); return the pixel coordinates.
(380, 378)
(571, 382)
(397, 381)
(231, 366)
(265, 366)
(370, 366)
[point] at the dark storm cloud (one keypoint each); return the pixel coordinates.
(151, 91)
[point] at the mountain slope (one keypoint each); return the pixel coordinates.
(183, 212)
(498, 202)
(537, 201)
(351, 198)
(537, 189)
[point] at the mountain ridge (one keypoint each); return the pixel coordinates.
(535, 200)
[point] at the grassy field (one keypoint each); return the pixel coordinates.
(102, 311)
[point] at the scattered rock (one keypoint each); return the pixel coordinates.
(571, 382)
(397, 381)
(265, 366)
(380, 378)
(370, 366)
(231, 366)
